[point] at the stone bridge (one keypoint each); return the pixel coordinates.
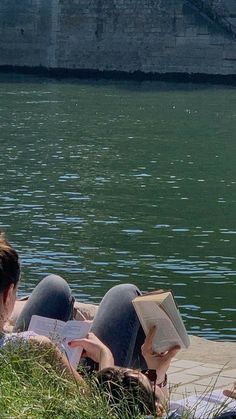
(148, 37)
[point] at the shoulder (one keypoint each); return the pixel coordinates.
(16, 340)
(41, 340)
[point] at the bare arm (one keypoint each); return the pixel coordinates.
(158, 361)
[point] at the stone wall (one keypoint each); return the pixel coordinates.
(151, 36)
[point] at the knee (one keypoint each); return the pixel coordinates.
(56, 283)
(128, 290)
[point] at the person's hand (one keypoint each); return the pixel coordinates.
(159, 361)
(231, 393)
(93, 348)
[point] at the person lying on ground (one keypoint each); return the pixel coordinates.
(145, 390)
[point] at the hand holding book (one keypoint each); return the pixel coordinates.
(96, 350)
(61, 333)
(159, 361)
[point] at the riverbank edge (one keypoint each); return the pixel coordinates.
(174, 77)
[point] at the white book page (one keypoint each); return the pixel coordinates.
(61, 333)
(152, 315)
(74, 329)
(44, 326)
(206, 405)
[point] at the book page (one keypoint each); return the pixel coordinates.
(44, 326)
(206, 405)
(61, 333)
(169, 306)
(150, 314)
(74, 329)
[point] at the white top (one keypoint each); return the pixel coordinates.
(206, 405)
(14, 337)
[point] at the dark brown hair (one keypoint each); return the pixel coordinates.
(9, 264)
(122, 387)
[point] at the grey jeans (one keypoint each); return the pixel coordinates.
(50, 298)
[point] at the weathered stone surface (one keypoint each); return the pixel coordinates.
(158, 36)
(208, 351)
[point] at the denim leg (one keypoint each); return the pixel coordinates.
(51, 298)
(117, 324)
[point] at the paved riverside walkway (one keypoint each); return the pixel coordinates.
(204, 366)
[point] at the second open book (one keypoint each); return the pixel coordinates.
(159, 309)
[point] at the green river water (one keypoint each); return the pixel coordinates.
(110, 182)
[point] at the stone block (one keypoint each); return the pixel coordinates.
(216, 381)
(84, 311)
(202, 370)
(182, 391)
(185, 364)
(229, 54)
(173, 369)
(229, 373)
(181, 378)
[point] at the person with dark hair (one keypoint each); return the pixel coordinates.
(129, 388)
(9, 280)
(143, 390)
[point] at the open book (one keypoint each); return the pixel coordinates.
(61, 333)
(159, 309)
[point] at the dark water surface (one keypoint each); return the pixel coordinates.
(107, 182)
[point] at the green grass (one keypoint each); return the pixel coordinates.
(32, 386)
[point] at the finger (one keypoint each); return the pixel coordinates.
(78, 343)
(170, 353)
(151, 332)
(229, 393)
(90, 335)
(166, 353)
(149, 338)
